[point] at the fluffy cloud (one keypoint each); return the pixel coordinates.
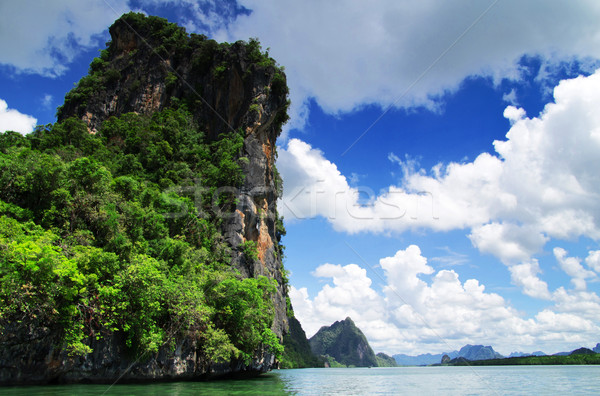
(43, 37)
(509, 242)
(345, 55)
(525, 275)
(413, 315)
(572, 267)
(13, 120)
(593, 260)
(543, 183)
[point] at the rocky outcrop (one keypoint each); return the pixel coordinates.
(345, 343)
(478, 352)
(150, 65)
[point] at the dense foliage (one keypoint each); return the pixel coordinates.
(384, 360)
(118, 232)
(297, 353)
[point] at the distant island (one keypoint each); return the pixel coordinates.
(479, 355)
(572, 359)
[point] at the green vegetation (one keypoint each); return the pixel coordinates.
(384, 360)
(163, 40)
(250, 250)
(297, 353)
(95, 237)
(532, 360)
(331, 362)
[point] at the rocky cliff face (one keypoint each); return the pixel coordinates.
(150, 65)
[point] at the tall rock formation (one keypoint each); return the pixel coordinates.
(345, 343)
(148, 66)
(151, 64)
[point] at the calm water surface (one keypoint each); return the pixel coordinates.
(511, 380)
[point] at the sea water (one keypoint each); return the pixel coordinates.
(497, 380)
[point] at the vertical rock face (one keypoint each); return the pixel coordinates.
(148, 66)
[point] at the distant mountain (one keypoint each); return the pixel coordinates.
(384, 360)
(597, 348)
(423, 359)
(478, 352)
(470, 352)
(297, 352)
(345, 343)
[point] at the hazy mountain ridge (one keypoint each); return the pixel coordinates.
(477, 353)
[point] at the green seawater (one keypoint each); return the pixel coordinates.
(513, 380)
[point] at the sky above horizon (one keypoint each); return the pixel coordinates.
(441, 165)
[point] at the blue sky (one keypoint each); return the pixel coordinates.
(440, 166)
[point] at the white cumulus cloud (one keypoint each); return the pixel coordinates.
(593, 260)
(572, 267)
(525, 275)
(13, 120)
(43, 37)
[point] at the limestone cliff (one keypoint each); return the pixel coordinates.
(148, 66)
